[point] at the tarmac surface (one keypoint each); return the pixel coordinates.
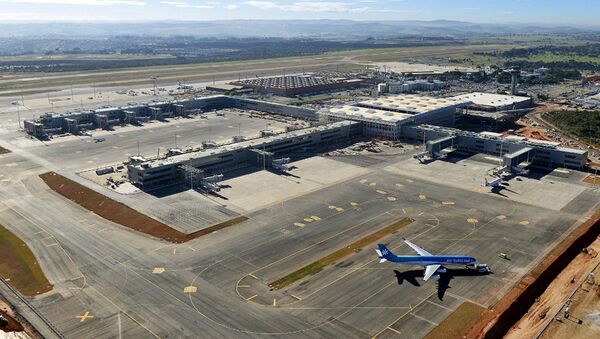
(110, 281)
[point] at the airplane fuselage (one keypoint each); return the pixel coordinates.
(432, 260)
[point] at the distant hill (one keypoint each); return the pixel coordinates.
(327, 29)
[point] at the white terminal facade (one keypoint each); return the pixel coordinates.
(385, 116)
(495, 102)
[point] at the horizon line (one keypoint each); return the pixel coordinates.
(133, 21)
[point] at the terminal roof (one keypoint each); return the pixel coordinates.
(412, 104)
(491, 99)
(359, 113)
(248, 144)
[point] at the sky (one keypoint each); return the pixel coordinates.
(561, 12)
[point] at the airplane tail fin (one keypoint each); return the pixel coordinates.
(383, 252)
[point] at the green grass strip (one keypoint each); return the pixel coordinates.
(332, 258)
(19, 266)
(458, 323)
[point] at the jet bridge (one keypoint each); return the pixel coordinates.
(191, 174)
(435, 147)
(263, 158)
(180, 110)
(511, 161)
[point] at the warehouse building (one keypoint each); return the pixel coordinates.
(289, 85)
(171, 170)
(385, 116)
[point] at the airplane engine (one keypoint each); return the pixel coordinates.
(435, 277)
(442, 270)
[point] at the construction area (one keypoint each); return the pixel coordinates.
(240, 217)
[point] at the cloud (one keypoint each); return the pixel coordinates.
(231, 7)
(78, 2)
(380, 10)
(319, 6)
(48, 17)
(301, 6)
(178, 4)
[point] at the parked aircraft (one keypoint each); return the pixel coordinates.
(497, 181)
(184, 86)
(281, 164)
(211, 184)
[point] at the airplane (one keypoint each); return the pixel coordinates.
(494, 183)
(432, 263)
(184, 86)
(281, 164)
(211, 184)
(214, 179)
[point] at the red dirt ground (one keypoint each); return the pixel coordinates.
(122, 214)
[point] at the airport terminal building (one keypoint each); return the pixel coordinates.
(385, 116)
(105, 118)
(495, 108)
(514, 150)
(491, 102)
(170, 170)
(394, 117)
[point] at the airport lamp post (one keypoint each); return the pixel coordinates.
(154, 82)
(19, 115)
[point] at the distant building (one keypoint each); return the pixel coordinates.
(590, 102)
(297, 84)
(226, 88)
(595, 79)
(410, 86)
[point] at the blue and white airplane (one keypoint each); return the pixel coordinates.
(433, 263)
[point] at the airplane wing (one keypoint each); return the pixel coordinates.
(429, 271)
(417, 248)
